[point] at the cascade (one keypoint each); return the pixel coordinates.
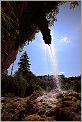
(52, 54)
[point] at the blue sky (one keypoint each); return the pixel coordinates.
(66, 36)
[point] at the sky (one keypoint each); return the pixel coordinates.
(66, 38)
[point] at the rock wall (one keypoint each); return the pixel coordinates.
(20, 22)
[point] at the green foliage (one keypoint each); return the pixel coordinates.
(24, 82)
(73, 83)
(6, 84)
(76, 85)
(24, 66)
(46, 83)
(21, 85)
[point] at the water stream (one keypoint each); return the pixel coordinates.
(50, 97)
(52, 54)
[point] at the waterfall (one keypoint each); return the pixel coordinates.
(52, 54)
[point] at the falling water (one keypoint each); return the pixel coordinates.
(52, 54)
(50, 98)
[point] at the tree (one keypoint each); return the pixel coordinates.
(20, 84)
(24, 65)
(7, 85)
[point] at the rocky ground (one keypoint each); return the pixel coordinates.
(48, 107)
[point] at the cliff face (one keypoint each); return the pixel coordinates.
(20, 21)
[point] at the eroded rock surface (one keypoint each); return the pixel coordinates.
(66, 107)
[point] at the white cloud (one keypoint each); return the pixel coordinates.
(65, 40)
(61, 73)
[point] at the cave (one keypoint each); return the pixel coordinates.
(20, 21)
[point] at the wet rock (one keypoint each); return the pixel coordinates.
(3, 99)
(6, 116)
(62, 115)
(68, 108)
(33, 117)
(31, 106)
(50, 112)
(77, 117)
(13, 109)
(41, 112)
